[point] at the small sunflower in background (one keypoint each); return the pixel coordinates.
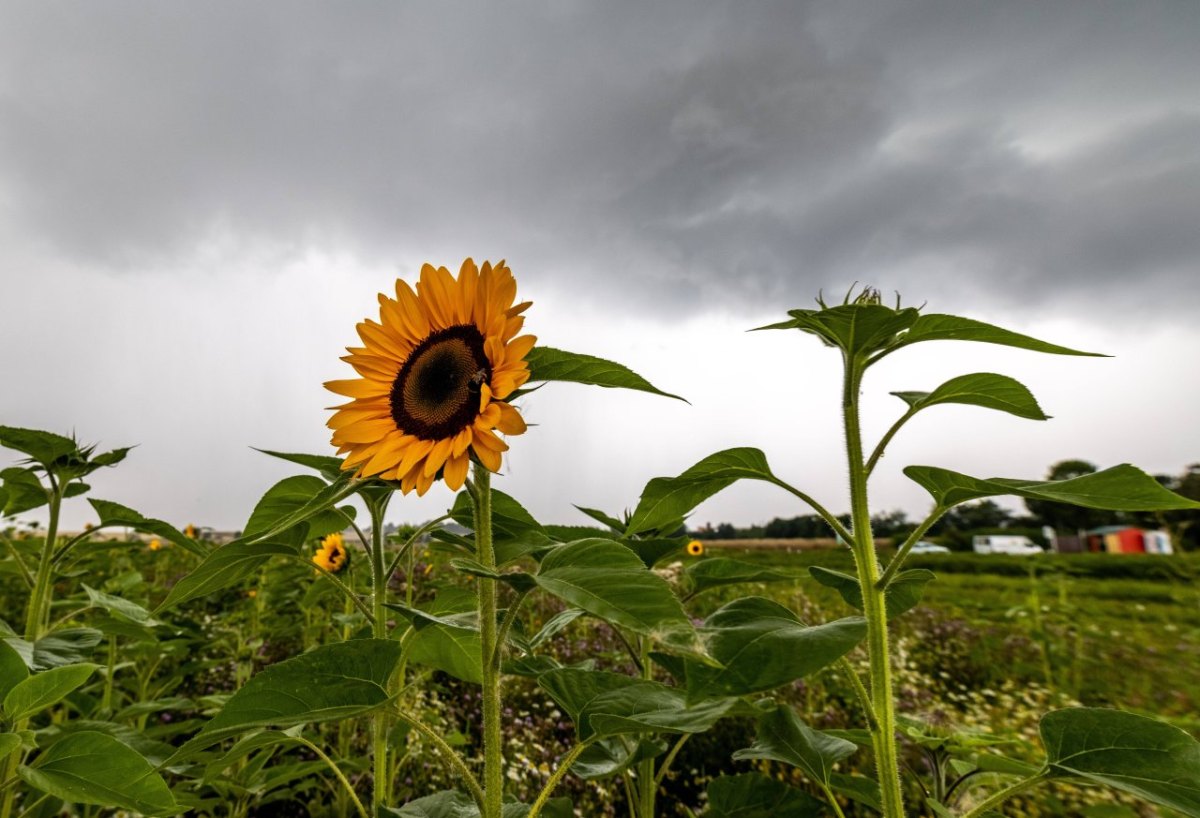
(332, 554)
(190, 531)
(435, 372)
(695, 548)
(154, 545)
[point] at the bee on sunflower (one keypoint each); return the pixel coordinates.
(332, 554)
(435, 372)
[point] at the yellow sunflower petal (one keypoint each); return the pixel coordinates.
(456, 471)
(489, 458)
(511, 422)
(437, 456)
(358, 388)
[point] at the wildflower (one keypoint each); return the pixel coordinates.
(435, 372)
(332, 555)
(154, 545)
(190, 531)
(695, 548)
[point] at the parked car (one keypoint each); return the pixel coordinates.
(1004, 544)
(923, 547)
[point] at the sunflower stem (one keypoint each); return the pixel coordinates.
(883, 732)
(379, 749)
(493, 758)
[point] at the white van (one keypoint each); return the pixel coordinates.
(1004, 544)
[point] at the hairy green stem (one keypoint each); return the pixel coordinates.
(493, 757)
(555, 778)
(864, 696)
(874, 609)
(39, 601)
(902, 553)
(832, 521)
(647, 785)
(411, 541)
(665, 767)
(510, 616)
(1003, 795)
(886, 439)
(453, 761)
(26, 574)
(329, 762)
(379, 747)
(832, 799)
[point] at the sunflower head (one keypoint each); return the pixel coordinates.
(154, 545)
(190, 531)
(695, 548)
(434, 373)
(332, 554)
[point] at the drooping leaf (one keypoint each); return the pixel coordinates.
(718, 571)
(224, 566)
(904, 592)
(666, 500)
(115, 514)
(1120, 488)
(64, 647)
(12, 669)
(754, 795)
(450, 643)
(119, 608)
(609, 581)
(782, 736)
(94, 768)
(44, 447)
(334, 681)
(1142, 756)
(760, 645)
(610, 756)
(554, 625)
(22, 491)
(287, 497)
(329, 467)
(986, 389)
(44, 689)
(547, 364)
(939, 327)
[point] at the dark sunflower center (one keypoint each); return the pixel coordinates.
(436, 393)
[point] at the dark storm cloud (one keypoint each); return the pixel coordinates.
(715, 153)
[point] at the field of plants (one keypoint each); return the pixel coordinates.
(489, 665)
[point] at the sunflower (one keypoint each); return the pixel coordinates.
(435, 372)
(695, 548)
(332, 554)
(190, 531)
(154, 545)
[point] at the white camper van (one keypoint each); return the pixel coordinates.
(1004, 544)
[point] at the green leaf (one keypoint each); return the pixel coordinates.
(937, 327)
(609, 581)
(754, 795)
(554, 625)
(9, 744)
(857, 788)
(607, 704)
(604, 519)
(761, 645)
(224, 566)
(334, 681)
(12, 669)
(607, 757)
(44, 447)
(329, 467)
(666, 500)
(22, 491)
(111, 458)
(509, 518)
(287, 497)
(904, 592)
(859, 329)
(782, 736)
(718, 571)
(1145, 757)
(120, 608)
(93, 768)
(115, 514)
(653, 551)
(547, 364)
(455, 804)
(45, 689)
(451, 643)
(1120, 488)
(65, 647)
(984, 389)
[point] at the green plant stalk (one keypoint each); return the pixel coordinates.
(647, 786)
(493, 756)
(874, 608)
(337, 771)
(454, 763)
(39, 602)
(379, 748)
(106, 703)
(555, 778)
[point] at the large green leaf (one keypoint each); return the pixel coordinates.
(761, 645)
(330, 467)
(12, 668)
(1148, 758)
(607, 757)
(859, 329)
(985, 389)
(782, 736)
(334, 681)
(609, 581)
(115, 514)
(938, 327)
(547, 364)
(44, 447)
(120, 608)
(451, 644)
(455, 804)
(667, 500)
(44, 689)
(718, 571)
(22, 491)
(514, 530)
(65, 647)
(94, 768)
(904, 592)
(754, 795)
(1120, 488)
(223, 567)
(284, 499)
(608, 704)
(280, 515)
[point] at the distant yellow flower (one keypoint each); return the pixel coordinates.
(190, 531)
(332, 554)
(252, 593)
(695, 548)
(154, 545)
(435, 371)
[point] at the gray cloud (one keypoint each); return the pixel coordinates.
(709, 155)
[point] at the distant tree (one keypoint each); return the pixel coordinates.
(890, 523)
(980, 514)
(1067, 519)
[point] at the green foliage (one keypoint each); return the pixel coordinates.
(753, 795)
(985, 389)
(223, 567)
(547, 364)
(716, 572)
(904, 592)
(782, 736)
(114, 515)
(40, 691)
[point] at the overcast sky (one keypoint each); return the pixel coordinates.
(199, 200)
